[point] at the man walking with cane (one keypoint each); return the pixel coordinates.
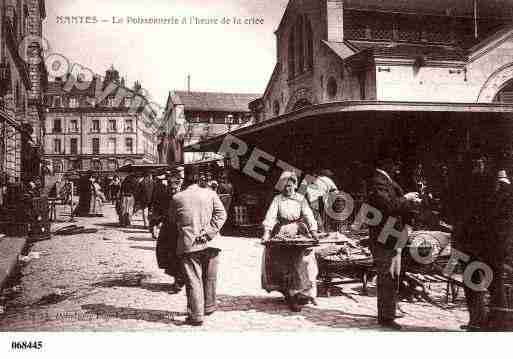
(200, 215)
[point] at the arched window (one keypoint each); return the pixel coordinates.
(300, 45)
(292, 55)
(276, 108)
(309, 45)
(505, 95)
(332, 87)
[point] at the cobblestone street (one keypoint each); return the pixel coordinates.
(109, 280)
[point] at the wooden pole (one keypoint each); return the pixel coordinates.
(72, 219)
(476, 14)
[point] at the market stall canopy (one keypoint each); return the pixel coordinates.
(142, 168)
(353, 118)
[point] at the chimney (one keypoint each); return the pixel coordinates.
(335, 20)
(137, 86)
(188, 82)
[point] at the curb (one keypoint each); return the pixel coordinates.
(10, 249)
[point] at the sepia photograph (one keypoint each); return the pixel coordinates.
(285, 166)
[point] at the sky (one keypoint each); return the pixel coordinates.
(219, 57)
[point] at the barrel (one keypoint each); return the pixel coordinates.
(39, 221)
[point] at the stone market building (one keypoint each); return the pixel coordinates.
(85, 132)
(415, 51)
(433, 79)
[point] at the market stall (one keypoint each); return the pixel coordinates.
(435, 141)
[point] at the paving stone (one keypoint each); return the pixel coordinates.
(117, 285)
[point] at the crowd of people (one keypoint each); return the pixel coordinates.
(478, 203)
(185, 215)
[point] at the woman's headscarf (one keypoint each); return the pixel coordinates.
(285, 177)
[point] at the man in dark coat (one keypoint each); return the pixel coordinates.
(85, 194)
(470, 211)
(499, 248)
(159, 205)
(167, 257)
(387, 196)
(145, 196)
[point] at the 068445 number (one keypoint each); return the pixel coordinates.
(24, 345)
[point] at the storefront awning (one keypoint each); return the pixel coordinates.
(314, 116)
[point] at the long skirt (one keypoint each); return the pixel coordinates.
(126, 210)
(167, 257)
(289, 270)
(96, 206)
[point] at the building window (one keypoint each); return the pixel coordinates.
(96, 146)
(57, 146)
(111, 102)
(229, 119)
(57, 101)
(112, 126)
(76, 164)
(96, 126)
(309, 45)
(57, 167)
(292, 55)
(73, 102)
(129, 126)
(300, 45)
(332, 87)
(128, 102)
(276, 108)
(96, 165)
(57, 126)
(73, 126)
(73, 146)
(112, 164)
(129, 143)
(112, 145)
(362, 82)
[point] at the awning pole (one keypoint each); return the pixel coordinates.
(475, 19)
